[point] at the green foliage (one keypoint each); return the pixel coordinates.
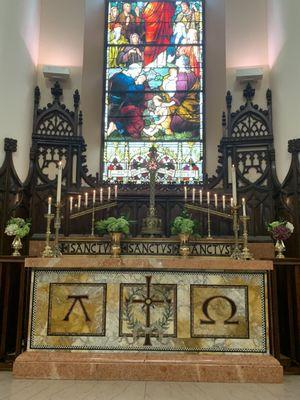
(184, 225)
(112, 224)
(18, 227)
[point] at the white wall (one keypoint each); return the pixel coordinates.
(246, 45)
(284, 60)
(19, 34)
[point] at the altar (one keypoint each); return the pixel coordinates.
(149, 318)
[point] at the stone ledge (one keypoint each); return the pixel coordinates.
(148, 367)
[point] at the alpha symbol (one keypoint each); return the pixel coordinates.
(79, 300)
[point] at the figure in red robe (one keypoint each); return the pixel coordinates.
(157, 18)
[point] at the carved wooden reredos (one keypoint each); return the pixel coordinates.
(58, 135)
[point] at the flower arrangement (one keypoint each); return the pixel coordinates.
(280, 230)
(17, 227)
(112, 225)
(183, 225)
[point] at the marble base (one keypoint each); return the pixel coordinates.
(148, 367)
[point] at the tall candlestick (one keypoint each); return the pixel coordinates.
(49, 205)
(244, 207)
(185, 193)
(116, 191)
(193, 195)
(108, 193)
(59, 177)
(224, 202)
(216, 200)
(208, 198)
(94, 196)
(79, 201)
(101, 195)
(201, 197)
(234, 190)
(71, 204)
(86, 199)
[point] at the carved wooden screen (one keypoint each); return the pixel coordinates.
(154, 90)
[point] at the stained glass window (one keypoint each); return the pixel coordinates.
(154, 90)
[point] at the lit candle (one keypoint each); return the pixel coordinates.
(201, 197)
(101, 195)
(49, 205)
(94, 196)
(86, 201)
(224, 202)
(231, 202)
(208, 198)
(79, 201)
(108, 193)
(216, 200)
(71, 204)
(185, 193)
(234, 192)
(244, 207)
(116, 191)
(193, 195)
(59, 176)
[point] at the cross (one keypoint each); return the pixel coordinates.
(147, 302)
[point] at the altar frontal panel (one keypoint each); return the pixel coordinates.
(134, 310)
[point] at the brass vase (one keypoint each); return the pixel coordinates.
(184, 249)
(115, 238)
(17, 245)
(279, 249)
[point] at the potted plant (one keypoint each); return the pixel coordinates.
(115, 227)
(18, 228)
(183, 226)
(280, 231)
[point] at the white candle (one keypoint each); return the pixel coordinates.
(244, 207)
(185, 193)
(193, 195)
(234, 190)
(201, 197)
(86, 197)
(224, 202)
(208, 198)
(49, 205)
(101, 195)
(108, 193)
(116, 191)
(79, 201)
(94, 196)
(231, 202)
(216, 200)
(59, 176)
(71, 204)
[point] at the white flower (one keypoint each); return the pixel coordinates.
(11, 230)
(290, 227)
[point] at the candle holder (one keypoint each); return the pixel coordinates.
(93, 220)
(57, 224)
(208, 223)
(236, 254)
(48, 250)
(246, 255)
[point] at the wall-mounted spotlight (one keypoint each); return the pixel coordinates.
(56, 73)
(244, 75)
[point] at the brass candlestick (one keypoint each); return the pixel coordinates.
(56, 250)
(208, 223)
(93, 220)
(246, 255)
(47, 250)
(236, 254)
